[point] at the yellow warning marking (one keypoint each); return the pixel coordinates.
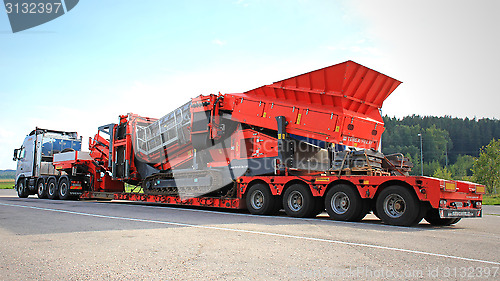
(298, 119)
(323, 179)
(337, 129)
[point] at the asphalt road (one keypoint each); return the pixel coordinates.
(90, 240)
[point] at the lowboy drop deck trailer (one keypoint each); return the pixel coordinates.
(280, 146)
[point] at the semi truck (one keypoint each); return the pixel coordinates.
(304, 145)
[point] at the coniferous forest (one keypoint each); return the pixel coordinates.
(449, 145)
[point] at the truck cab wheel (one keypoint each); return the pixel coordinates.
(64, 188)
(21, 188)
(41, 190)
(52, 189)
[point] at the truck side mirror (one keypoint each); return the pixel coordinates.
(16, 152)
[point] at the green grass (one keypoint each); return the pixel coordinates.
(9, 183)
(132, 188)
(6, 183)
(491, 199)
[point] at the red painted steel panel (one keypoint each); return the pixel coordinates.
(318, 104)
(348, 85)
(318, 122)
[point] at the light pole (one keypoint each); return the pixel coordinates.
(421, 157)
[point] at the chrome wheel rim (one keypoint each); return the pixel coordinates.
(394, 206)
(295, 201)
(40, 188)
(340, 203)
(257, 199)
(51, 190)
(63, 189)
(20, 188)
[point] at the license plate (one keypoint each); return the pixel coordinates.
(466, 213)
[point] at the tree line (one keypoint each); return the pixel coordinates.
(7, 174)
(451, 147)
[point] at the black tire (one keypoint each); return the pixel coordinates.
(299, 202)
(319, 205)
(260, 200)
(41, 189)
(52, 191)
(397, 205)
(423, 210)
(343, 203)
(64, 189)
(22, 192)
(365, 210)
(433, 218)
(374, 209)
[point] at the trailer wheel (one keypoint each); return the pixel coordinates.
(41, 189)
(319, 206)
(64, 188)
(374, 211)
(52, 189)
(260, 200)
(21, 188)
(365, 209)
(433, 218)
(343, 203)
(396, 205)
(299, 202)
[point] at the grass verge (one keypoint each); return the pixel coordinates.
(132, 188)
(9, 183)
(6, 183)
(491, 199)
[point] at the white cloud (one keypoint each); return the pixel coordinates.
(219, 42)
(243, 3)
(445, 52)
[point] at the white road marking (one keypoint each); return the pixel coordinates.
(260, 233)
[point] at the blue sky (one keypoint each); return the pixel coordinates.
(106, 58)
